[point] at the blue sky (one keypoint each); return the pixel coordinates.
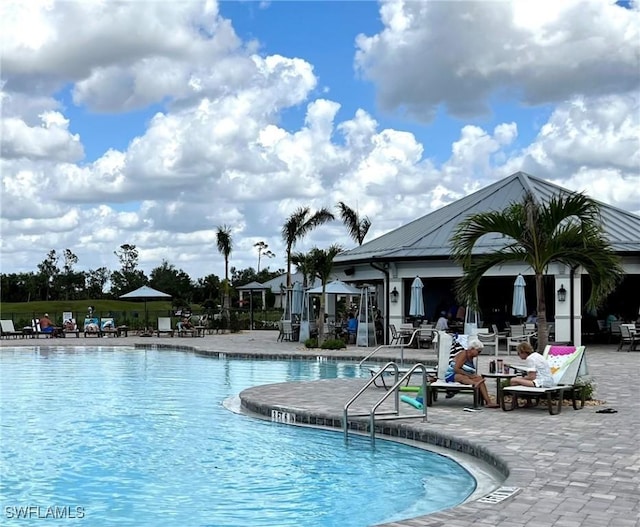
(211, 114)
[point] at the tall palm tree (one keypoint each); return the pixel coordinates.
(566, 230)
(298, 225)
(225, 247)
(358, 227)
(322, 265)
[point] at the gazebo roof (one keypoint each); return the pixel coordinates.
(428, 237)
(252, 286)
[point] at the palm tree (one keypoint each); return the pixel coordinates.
(566, 230)
(298, 225)
(358, 227)
(263, 250)
(322, 265)
(304, 264)
(225, 246)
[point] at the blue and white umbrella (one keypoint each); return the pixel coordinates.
(416, 306)
(519, 308)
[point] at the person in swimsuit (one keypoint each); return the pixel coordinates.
(462, 369)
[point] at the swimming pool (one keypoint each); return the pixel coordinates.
(140, 437)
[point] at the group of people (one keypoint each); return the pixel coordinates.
(462, 369)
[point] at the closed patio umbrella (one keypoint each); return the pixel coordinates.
(416, 305)
(519, 308)
(296, 298)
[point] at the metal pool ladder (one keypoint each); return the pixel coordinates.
(395, 390)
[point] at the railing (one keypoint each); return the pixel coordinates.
(395, 390)
(383, 370)
(414, 338)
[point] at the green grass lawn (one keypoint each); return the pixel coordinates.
(130, 313)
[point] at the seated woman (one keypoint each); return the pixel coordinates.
(185, 323)
(462, 369)
(538, 369)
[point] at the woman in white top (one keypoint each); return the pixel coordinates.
(538, 370)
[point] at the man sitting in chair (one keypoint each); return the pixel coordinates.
(46, 326)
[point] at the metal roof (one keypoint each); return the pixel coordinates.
(428, 237)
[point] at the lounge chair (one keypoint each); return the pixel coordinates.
(36, 331)
(567, 364)
(446, 347)
(9, 331)
(164, 326)
(69, 327)
(186, 331)
(108, 327)
(91, 327)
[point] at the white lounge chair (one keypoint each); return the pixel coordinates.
(164, 326)
(445, 343)
(567, 364)
(9, 331)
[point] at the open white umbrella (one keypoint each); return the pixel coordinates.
(416, 305)
(519, 308)
(145, 293)
(337, 287)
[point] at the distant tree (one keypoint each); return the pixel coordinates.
(95, 281)
(128, 257)
(71, 283)
(175, 282)
(357, 226)
(129, 277)
(207, 288)
(298, 225)
(263, 250)
(567, 229)
(48, 272)
(224, 242)
(322, 263)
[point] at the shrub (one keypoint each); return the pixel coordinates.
(333, 344)
(311, 343)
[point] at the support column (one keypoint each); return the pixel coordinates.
(395, 308)
(563, 317)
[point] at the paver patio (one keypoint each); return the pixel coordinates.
(579, 468)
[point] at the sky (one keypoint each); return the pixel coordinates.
(153, 123)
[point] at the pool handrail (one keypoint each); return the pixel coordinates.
(345, 422)
(396, 390)
(401, 345)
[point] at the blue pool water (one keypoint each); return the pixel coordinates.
(124, 437)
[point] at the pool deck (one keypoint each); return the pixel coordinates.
(575, 469)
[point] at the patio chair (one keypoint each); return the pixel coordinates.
(164, 326)
(9, 331)
(490, 340)
(70, 327)
(446, 345)
(518, 335)
(395, 336)
(287, 330)
(567, 364)
(628, 337)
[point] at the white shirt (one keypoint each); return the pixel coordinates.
(537, 363)
(442, 324)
